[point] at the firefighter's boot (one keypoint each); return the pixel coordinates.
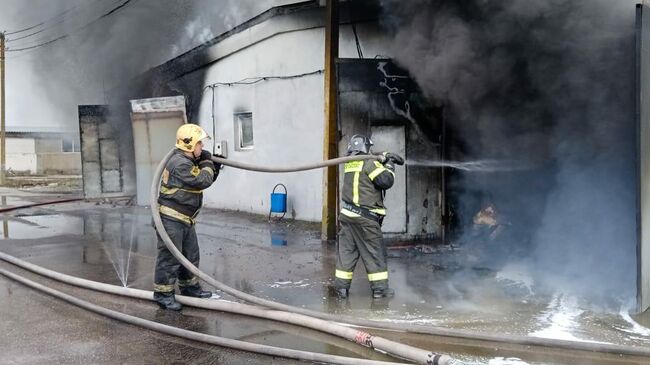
(342, 293)
(167, 301)
(195, 291)
(383, 293)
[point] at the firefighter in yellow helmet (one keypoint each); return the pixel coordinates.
(189, 171)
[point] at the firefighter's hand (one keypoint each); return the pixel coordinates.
(208, 163)
(394, 157)
(217, 165)
(205, 155)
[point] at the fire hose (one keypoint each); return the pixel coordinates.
(179, 332)
(304, 317)
(279, 170)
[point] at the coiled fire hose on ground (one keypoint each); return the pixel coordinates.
(304, 317)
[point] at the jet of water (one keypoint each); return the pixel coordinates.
(118, 255)
(113, 256)
(128, 258)
(477, 166)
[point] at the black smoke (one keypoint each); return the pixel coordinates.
(550, 85)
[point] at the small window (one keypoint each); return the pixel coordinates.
(244, 131)
(68, 145)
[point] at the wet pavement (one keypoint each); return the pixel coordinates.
(286, 262)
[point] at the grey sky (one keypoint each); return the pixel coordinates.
(45, 85)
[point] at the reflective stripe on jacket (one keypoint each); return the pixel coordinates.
(181, 189)
(364, 183)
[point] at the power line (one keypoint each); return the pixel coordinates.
(38, 45)
(107, 14)
(356, 40)
(62, 19)
(25, 29)
(255, 80)
(251, 81)
(354, 29)
(25, 36)
(43, 41)
(43, 22)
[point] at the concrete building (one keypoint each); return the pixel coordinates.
(258, 89)
(39, 151)
(263, 95)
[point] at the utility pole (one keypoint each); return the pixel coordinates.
(3, 112)
(330, 141)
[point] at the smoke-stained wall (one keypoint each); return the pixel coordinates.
(375, 93)
(546, 87)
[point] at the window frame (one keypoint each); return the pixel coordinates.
(71, 143)
(239, 119)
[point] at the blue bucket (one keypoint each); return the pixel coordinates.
(279, 200)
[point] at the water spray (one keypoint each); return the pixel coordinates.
(473, 166)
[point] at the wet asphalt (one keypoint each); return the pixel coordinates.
(283, 261)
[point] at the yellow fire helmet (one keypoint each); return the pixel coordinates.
(188, 135)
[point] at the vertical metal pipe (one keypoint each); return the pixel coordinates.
(639, 175)
(330, 143)
(3, 111)
(5, 220)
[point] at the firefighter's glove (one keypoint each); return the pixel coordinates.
(393, 158)
(208, 163)
(205, 155)
(217, 165)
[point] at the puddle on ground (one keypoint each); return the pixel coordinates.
(278, 234)
(118, 245)
(41, 226)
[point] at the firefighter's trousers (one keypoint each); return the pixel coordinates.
(361, 237)
(168, 269)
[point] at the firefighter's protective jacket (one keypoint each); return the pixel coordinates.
(181, 190)
(364, 183)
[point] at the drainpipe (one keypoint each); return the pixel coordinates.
(3, 113)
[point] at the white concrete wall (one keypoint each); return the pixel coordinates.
(54, 145)
(68, 163)
(287, 123)
(287, 114)
(21, 155)
(40, 156)
(22, 162)
(20, 145)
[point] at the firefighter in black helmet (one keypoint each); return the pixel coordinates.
(362, 213)
(188, 172)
